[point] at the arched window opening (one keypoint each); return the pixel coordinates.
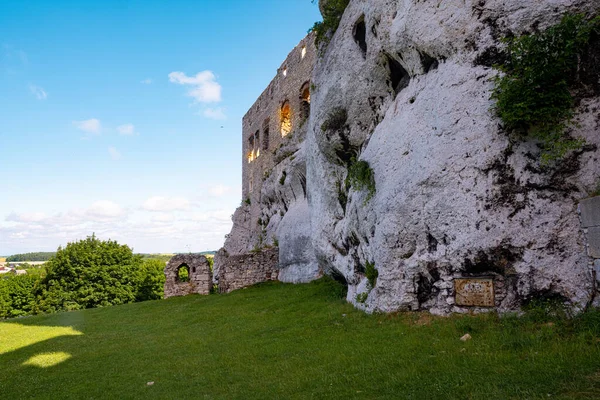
(183, 273)
(286, 119)
(265, 143)
(305, 101)
(303, 52)
(250, 185)
(284, 71)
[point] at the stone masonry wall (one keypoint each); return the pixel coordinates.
(249, 269)
(200, 276)
(590, 221)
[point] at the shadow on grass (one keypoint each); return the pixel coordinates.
(294, 341)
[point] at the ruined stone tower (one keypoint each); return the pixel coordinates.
(274, 207)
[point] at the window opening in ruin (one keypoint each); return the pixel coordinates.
(285, 71)
(305, 101)
(257, 143)
(303, 52)
(183, 273)
(286, 118)
(250, 185)
(193, 269)
(265, 143)
(359, 32)
(251, 149)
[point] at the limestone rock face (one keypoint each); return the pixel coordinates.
(405, 86)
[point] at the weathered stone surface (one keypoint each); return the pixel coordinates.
(593, 237)
(297, 261)
(454, 195)
(200, 277)
(242, 270)
(590, 212)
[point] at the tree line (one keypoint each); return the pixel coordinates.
(37, 256)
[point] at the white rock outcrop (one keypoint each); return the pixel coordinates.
(455, 194)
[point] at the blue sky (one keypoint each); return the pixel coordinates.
(123, 118)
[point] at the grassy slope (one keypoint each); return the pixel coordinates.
(290, 342)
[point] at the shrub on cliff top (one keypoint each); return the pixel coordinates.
(533, 95)
(332, 15)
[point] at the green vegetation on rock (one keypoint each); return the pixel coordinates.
(332, 15)
(361, 177)
(534, 95)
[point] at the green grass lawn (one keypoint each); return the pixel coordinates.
(292, 342)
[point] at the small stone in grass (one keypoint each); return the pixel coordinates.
(466, 337)
(150, 383)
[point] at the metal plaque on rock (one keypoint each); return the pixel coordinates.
(474, 292)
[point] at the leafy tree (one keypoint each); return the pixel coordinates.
(152, 280)
(90, 273)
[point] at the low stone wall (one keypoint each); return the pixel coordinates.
(236, 272)
(200, 277)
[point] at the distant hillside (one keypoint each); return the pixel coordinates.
(38, 256)
(167, 256)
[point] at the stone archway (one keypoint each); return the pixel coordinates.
(197, 280)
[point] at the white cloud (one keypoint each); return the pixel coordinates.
(175, 230)
(105, 209)
(162, 204)
(146, 81)
(89, 126)
(126, 129)
(219, 190)
(26, 217)
(38, 92)
(114, 153)
(215, 113)
(204, 87)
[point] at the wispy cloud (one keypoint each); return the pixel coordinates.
(146, 81)
(88, 126)
(162, 204)
(38, 92)
(215, 113)
(105, 209)
(219, 190)
(204, 87)
(114, 153)
(126, 129)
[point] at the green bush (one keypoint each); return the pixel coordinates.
(360, 176)
(371, 273)
(152, 280)
(90, 273)
(533, 95)
(17, 296)
(336, 119)
(362, 297)
(332, 15)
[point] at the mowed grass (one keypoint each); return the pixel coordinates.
(281, 341)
